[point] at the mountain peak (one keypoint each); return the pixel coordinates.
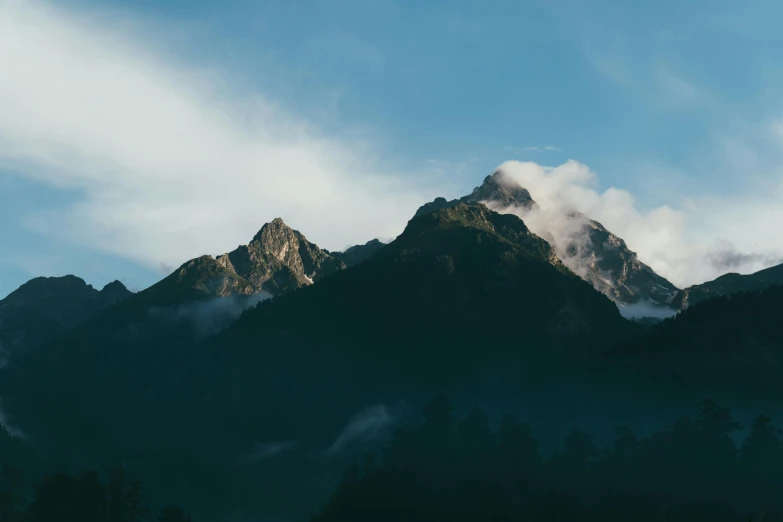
(274, 227)
(498, 189)
(588, 249)
(503, 190)
(277, 260)
(113, 293)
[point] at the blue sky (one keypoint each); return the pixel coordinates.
(134, 135)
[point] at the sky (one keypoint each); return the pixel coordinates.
(137, 135)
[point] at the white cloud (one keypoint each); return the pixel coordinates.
(682, 244)
(368, 424)
(169, 161)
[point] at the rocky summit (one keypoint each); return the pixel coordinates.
(277, 260)
(586, 247)
(497, 188)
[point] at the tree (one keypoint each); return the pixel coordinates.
(761, 449)
(118, 495)
(173, 514)
(54, 499)
(90, 501)
(10, 493)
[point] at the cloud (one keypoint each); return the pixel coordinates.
(8, 426)
(263, 451)
(645, 310)
(169, 159)
(726, 258)
(367, 425)
(533, 148)
(676, 242)
(209, 317)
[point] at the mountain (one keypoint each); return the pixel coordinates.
(585, 245)
(497, 188)
(280, 259)
(460, 268)
(45, 307)
(359, 253)
(440, 305)
(732, 343)
(728, 284)
(277, 260)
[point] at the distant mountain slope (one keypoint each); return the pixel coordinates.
(728, 345)
(45, 307)
(359, 253)
(728, 284)
(584, 245)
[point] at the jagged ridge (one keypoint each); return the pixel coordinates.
(594, 253)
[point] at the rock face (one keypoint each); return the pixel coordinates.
(358, 254)
(497, 188)
(606, 262)
(45, 307)
(278, 259)
(729, 284)
(584, 245)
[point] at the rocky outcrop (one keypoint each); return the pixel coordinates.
(280, 259)
(277, 260)
(606, 262)
(585, 245)
(497, 188)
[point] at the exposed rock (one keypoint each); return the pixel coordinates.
(590, 250)
(279, 259)
(497, 188)
(606, 262)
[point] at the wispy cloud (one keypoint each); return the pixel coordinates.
(726, 257)
(171, 160)
(686, 244)
(532, 149)
(367, 425)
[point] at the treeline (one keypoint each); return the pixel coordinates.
(451, 469)
(61, 497)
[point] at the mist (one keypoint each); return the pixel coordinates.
(208, 318)
(7, 425)
(645, 309)
(367, 425)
